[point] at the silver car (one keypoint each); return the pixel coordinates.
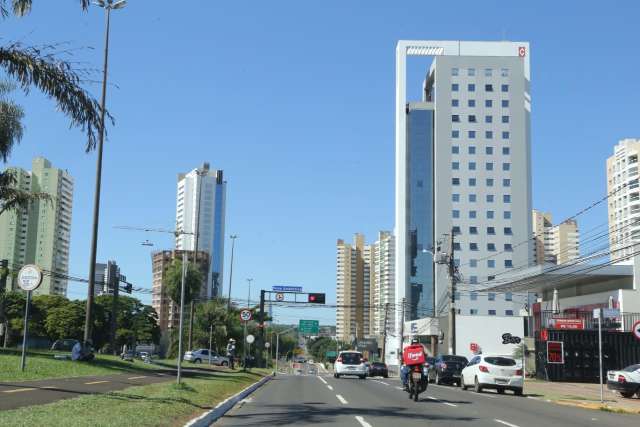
(202, 355)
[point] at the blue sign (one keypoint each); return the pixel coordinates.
(287, 288)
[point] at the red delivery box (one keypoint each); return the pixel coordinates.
(413, 355)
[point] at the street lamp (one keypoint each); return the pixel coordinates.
(107, 5)
(233, 238)
(244, 345)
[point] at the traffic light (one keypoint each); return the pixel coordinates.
(316, 298)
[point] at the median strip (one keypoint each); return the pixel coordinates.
(362, 421)
(342, 399)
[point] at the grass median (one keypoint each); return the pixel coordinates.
(162, 404)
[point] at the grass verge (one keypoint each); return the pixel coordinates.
(162, 404)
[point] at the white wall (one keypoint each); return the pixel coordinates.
(486, 331)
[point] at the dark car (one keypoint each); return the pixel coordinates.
(447, 369)
(430, 366)
(378, 369)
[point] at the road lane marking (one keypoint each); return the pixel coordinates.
(399, 388)
(329, 387)
(137, 378)
(385, 383)
(18, 390)
(322, 379)
(440, 401)
(381, 382)
(505, 423)
(96, 382)
(342, 399)
(362, 421)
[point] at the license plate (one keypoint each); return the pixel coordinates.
(501, 381)
(351, 368)
(416, 376)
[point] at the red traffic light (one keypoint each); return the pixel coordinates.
(316, 298)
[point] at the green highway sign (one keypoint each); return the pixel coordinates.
(330, 354)
(309, 327)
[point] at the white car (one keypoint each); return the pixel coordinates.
(626, 381)
(202, 355)
(350, 363)
(492, 371)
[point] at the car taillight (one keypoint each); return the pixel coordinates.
(483, 369)
(621, 379)
(444, 366)
(339, 360)
(417, 368)
(519, 372)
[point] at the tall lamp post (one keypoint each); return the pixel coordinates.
(107, 5)
(199, 182)
(233, 238)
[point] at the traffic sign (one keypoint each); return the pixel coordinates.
(555, 352)
(267, 345)
(245, 315)
(610, 313)
(250, 339)
(287, 288)
(309, 327)
(636, 329)
(29, 277)
(279, 297)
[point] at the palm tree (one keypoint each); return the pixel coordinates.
(41, 68)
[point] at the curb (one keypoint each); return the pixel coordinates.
(223, 407)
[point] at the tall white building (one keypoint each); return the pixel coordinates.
(382, 289)
(462, 166)
(624, 199)
(201, 203)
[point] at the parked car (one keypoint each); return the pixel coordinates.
(447, 369)
(378, 369)
(350, 363)
(626, 381)
(495, 372)
(202, 355)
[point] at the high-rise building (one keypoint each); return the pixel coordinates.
(624, 199)
(382, 289)
(462, 167)
(107, 276)
(41, 233)
(554, 244)
(201, 203)
(168, 311)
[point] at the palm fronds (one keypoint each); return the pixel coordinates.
(12, 198)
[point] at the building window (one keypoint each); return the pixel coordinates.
(506, 182)
(455, 197)
(489, 165)
(473, 263)
(488, 119)
(504, 72)
(472, 214)
(472, 134)
(508, 231)
(490, 198)
(491, 230)
(455, 181)
(491, 263)
(505, 135)
(474, 296)
(455, 87)
(489, 182)
(508, 296)
(455, 71)
(472, 198)
(456, 296)
(472, 166)
(473, 230)
(488, 103)
(455, 134)
(508, 312)
(455, 103)
(490, 214)
(488, 88)
(473, 311)
(492, 296)
(488, 134)
(457, 247)
(472, 182)
(506, 215)
(456, 230)
(506, 198)
(491, 247)
(488, 150)
(504, 88)
(492, 312)
(471, 103)
(505, 119)
(472, 149)
(472, 118)
(506, 151)
(471, 87)
(455, 166)
(455, 213)
(455, 118)
(508, 263)
(471, 71)
(473, 280)
(505, 103)
(506, 166)
(508, 247)
(455, 149)
(488, 72)
(473, 246)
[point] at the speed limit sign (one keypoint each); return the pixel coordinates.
(245, 315)
(636, 329)
(279, 297)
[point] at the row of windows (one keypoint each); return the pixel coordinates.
(489, 214)
(455, 118)
(488, 166)
(474, 311)
(488, 134)
(472, 182)
(490, 198)
(488, 72)
(474, 247)
(471, 87)
(487, 103)
(455, 149)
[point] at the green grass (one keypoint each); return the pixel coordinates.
(42, 365)
(163, 404)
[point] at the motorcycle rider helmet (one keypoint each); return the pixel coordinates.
(414, 340)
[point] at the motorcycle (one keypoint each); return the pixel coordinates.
(417, 381)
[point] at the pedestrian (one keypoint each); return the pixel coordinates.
(231, 352)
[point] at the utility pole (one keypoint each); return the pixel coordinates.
(404, 302)
(384, 332)
(199, 182)
(233, 238)
(184, 274)
(452, 300)
(261, 326)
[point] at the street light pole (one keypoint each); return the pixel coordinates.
(199, 182)
(107, 6)
(233, 238)
(249, 295)
(184, 273)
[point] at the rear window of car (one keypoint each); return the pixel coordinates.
(351, 358)
(378, 365)
(631, 368)
(458, 359)
(500, 361)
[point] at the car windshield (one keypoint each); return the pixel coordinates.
(455, 359)
(631, 368)
(351, 358)
(500, 361)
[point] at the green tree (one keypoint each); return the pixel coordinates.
(212, 313)
(66, 321)
(173, 281)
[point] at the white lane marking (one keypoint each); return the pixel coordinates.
(399, 388)
(384, 383)
(342, 399)
(322, 379)
(137, 378)
(18, 390)
(96, 382)
(362, 421)
(440, 401)
(505, 423)
(329, 387)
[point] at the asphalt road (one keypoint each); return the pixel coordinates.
(323, 401)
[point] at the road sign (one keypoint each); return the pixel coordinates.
(279, 297)
(245, 315)
(250, 339)
(610, 313)
(309, 327)
(267, 345)
(29, 277)
(287, 288)
(596, 313)
(330, 353)
(522, 51)
(544, 335)
(555, 352)
(636, 329)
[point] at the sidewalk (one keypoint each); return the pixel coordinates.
(579, 394)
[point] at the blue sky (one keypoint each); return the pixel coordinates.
(294, 100)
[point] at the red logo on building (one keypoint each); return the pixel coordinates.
(474, 347)
(522, 51)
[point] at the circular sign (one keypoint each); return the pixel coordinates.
(544, 335)
(636, 329)
(267, 345)
(522, 51)
(29, 277)
(245, 315)
(279, 297)
(250, 339)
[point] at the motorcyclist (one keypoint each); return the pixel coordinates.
(231, 352)
(414, 354)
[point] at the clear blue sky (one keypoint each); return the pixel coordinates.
(294, 100)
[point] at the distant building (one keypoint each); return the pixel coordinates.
(624, 199)
(41, 233)
(168, 311)
(202, 192)
(107, 275)
(382, 284)
(555, 244)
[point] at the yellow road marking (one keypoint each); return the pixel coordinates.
(18, 390)
(96, 382)
(136, 378)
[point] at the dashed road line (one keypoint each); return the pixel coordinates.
(96, 382)
(322, 379)
(342, 399)
(329, 387)
(440, 401)
(505, 423)
(399, 388)
(362, 422)
(137, 378)
(18, 390)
